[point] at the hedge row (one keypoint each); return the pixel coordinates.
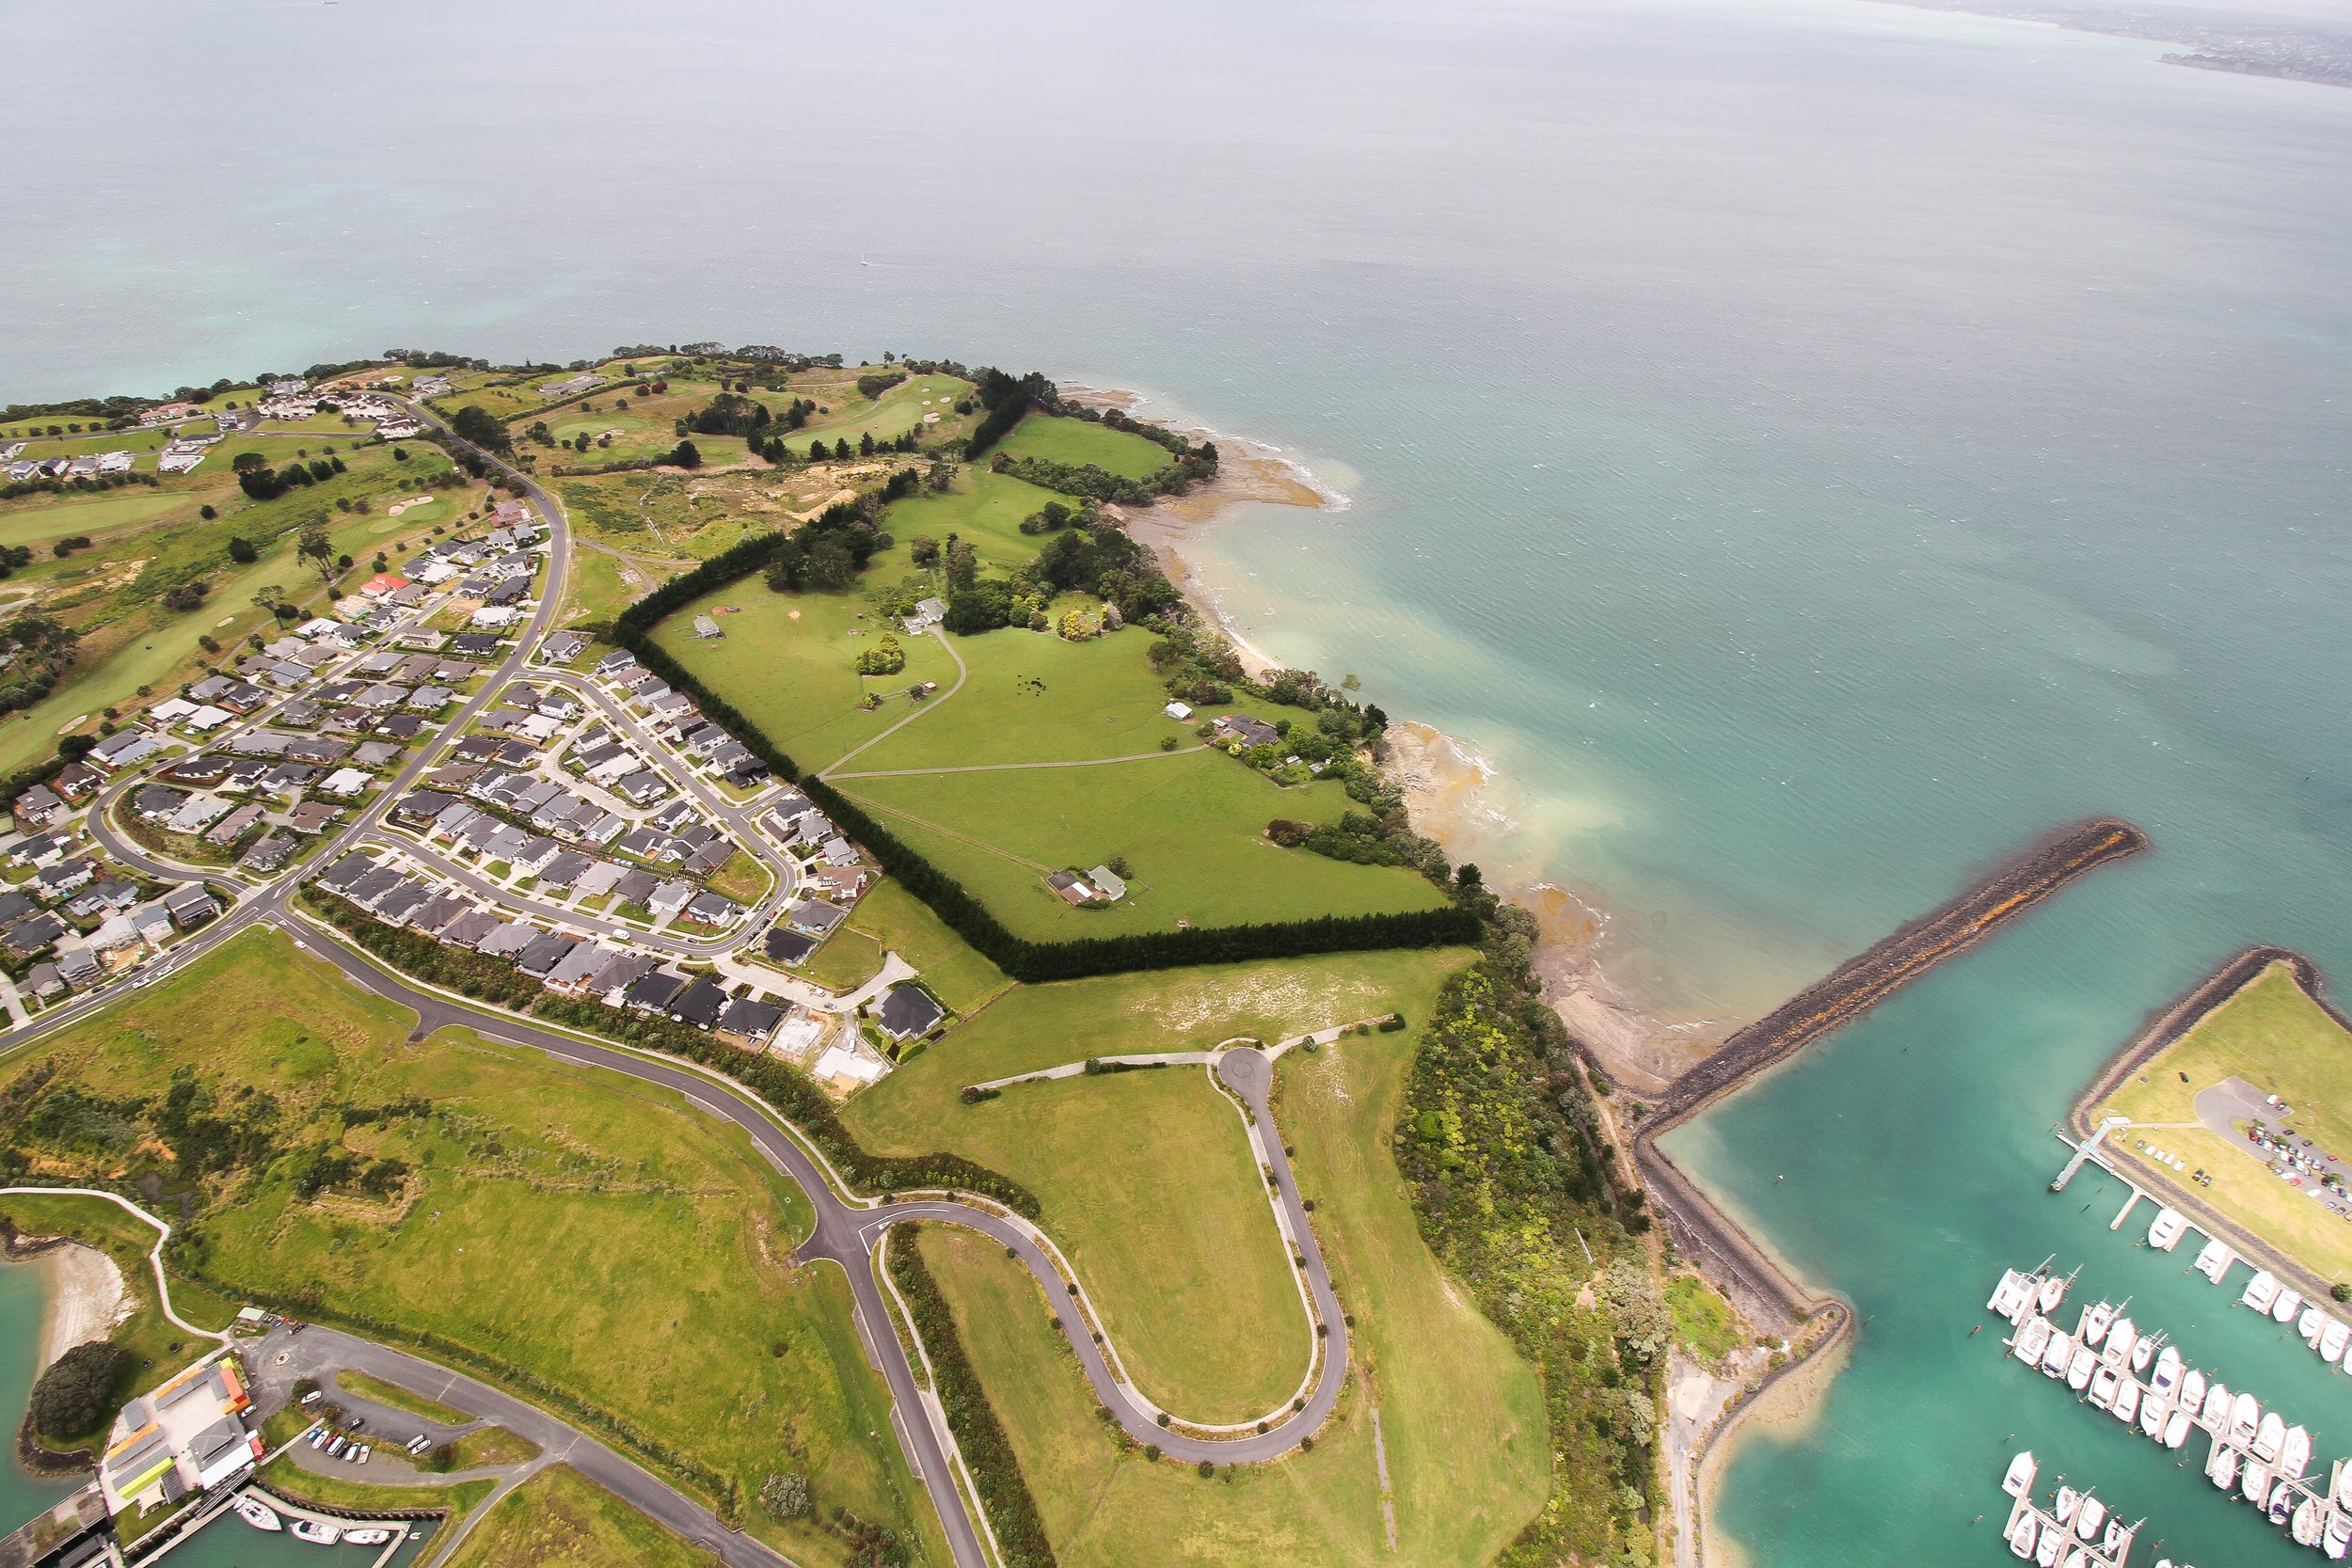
(995, 1469)
(970, 919)
(791, 1092)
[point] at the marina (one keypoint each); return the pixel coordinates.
(2076, 1530)
(2142, 1380)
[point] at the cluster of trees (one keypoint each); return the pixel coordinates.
(40, 650)
(483, 428)
(257, 479)
(827, 552)
(76, 1396)
(885, 657)
(1499, 1141)
(1365, 839)
(1005, 1497)
(1085, 556)
(13, 558)
(875, 384)
(730, 414)
(1008, 399)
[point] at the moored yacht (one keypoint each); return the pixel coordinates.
(254, 1511)
(2062, 1507)
(2337, 1537)
(2154, 1413)
(2295, 1454)
(2078, 1371)
(2009, 1295)
(2223, 1466)
(2177, 1427)
(2056, 1355)
(2120, 1338)
(2282, 1503)
(2096, 1317)
(2193, 1390)
(2126, 1406)
(2283, 1309)
(2246, 1414)
(2088, 1517)
(2332, 1341)
(2019, 1480)
(369, 1536)
(2269, 1437)
(2020, 1536)
(2163, 1231)
(2143, 1353)
(2166, 1380)
(2214, 1260)
(2306, 1523)
(2260, 1291)
(317, 1532)
(2310, 1324)
(2254, 1482)
(2215, 1412)
(2342, 1491)
(2032, 1340)
(2105, 1384)
(2045, 1551)
(2050, 1292)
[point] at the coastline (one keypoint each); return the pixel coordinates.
(83, 1296)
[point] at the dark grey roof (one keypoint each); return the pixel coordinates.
(907, 1011)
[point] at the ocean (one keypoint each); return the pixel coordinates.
(1808, 450)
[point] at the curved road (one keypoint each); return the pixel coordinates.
(847, 1230)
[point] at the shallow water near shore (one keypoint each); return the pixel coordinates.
(21, 1493)
(1808, 450)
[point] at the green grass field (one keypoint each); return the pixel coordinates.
(789, 661)
(559, 1518)
(896, 411)
(984, 509)
(1190, 826)
(1146, 1177)
(580, 1225)
(392, 1394)
(1079, 442)
(2273, 1035)
(891, 919)
(37, 523)
(1461, 1417)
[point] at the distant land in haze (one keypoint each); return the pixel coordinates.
(2252, 43)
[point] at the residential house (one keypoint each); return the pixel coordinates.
(908, 1012)
(124, 749)
(539, 960)
(814, 918)
(1107, 882)
(234, 826)
(669, 898)
(191, 905)
(711, 908)
(508, 940)
(54, 882)
(786, 945)
(651, 993)
(748, 1022)
(699, 1004)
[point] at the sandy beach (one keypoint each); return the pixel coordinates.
(84, 1297)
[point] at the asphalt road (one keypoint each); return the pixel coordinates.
(846, 1233)
(282, 1357)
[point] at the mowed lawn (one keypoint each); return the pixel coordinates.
(1191, 827)
(559, 1518)
(39, 522)
(1079, 442)
(789, 662)
(1461, 1416)
(1146, 1177)
(889, 919)
(582, 1225)
(899, 410)
(1034, 697)
(2273, 1035)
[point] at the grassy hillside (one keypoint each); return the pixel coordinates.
(583, 1227)
(559, 1518)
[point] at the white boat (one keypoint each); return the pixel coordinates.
(2118, 1540)
(2088, 1518)
(2079, 1557)
(254, 1511)
(2295, 1454)
(316, 1533)
(2154, 1413)
(2096, 1317)
(2246, 1414)
(2214, 1260)
(2120, 1338)
(2143, 1353)
(2126, 1406)
(2032, 1340)
(2177, 1427)
(2282, 1503)
(2004, 1294)
(371, 1536)
(2306, 1526)
(2283, 1310)
(2105, 1384)
(2053, 1291)
(2056, 1355)
(2020, 1478)
(2163, 1231)
(2254, 1483)
(2260, 1291)
(2222, 1467)
(2342, 1491)
(2332, 1341)
(2310, 1324)
(2337, 1536)
(2021, 1537)
(2078, 1371)
(2215, 1413)
(2269, 1437)
(2165, 1378)
(2045, 1551)
(2062, 1510)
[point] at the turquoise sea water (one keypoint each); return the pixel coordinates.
(1810, 448)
